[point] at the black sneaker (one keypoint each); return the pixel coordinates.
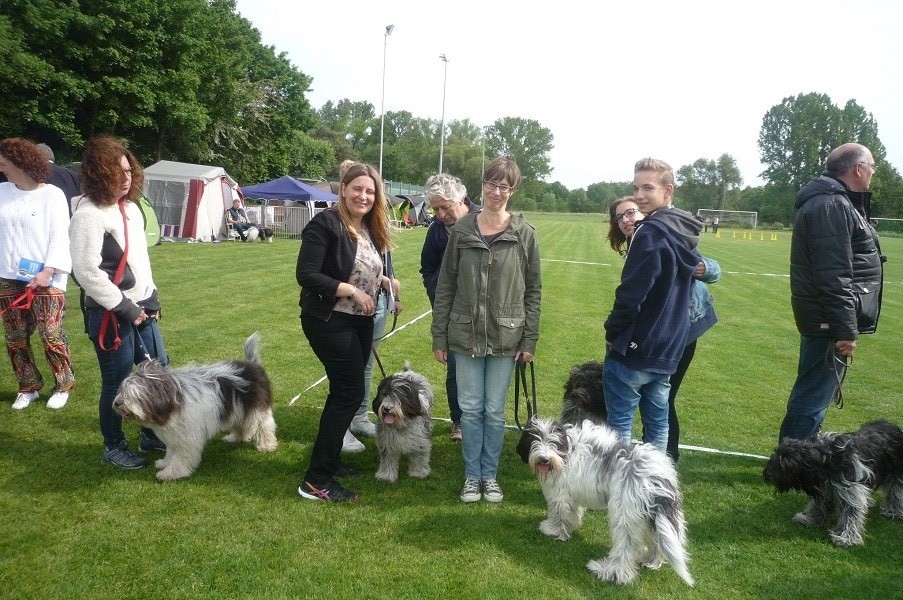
(122, 457)
(147, 443)
(346, 471)
(331, 492)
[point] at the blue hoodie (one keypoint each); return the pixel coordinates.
(647, 327)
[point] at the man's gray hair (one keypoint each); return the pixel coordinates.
(445, 186)
(47, 151)
(844, 158)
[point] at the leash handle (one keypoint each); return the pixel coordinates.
(520, 377)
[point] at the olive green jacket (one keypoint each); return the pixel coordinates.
(487, 297)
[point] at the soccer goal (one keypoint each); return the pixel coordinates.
(738, 218)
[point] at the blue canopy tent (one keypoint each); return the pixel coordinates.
(297, 203)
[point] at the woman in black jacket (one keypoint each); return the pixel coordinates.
(340, 272)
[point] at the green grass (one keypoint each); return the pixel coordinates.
(70, 526)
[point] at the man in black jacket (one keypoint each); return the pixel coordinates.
(836, 277)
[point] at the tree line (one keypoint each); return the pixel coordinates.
(190, 80)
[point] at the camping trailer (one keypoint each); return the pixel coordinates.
(190, 200)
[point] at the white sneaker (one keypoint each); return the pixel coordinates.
(352, 444)
(361, 425)
(24, 399)
(58, 400)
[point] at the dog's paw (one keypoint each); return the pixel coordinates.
(231, 438)
(846, 539)
(610, 570)
(805, 520)
(890, 514)
(387, 477)
(550, 529)
(419, 473)
(171, 474)
(161, 463)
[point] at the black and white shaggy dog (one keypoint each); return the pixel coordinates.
(189, 405)
(583, 397)
(403, 406)
(589, 467)
(839, 472)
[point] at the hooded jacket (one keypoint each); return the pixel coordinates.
(647, 327)
(836, 271)
(487, 297)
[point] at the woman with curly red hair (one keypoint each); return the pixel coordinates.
(34, 267)
(110, 261)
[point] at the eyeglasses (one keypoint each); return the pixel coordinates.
(491, 186)
(869, 165)
(627, 214)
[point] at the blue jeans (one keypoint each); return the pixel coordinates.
(624, 390)
(115, 366)
(814, 389)
(483, 383)
(379, 327)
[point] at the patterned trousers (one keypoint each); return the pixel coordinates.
(46, 317)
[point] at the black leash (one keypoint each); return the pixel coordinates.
(839, 364)
(379, 362)
(520, 377)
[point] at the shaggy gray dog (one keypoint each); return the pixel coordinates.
(403, 405)
(839, 471)
(187, 406)
(583, 398)
(589, 467)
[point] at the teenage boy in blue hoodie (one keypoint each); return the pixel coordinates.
(646, 330)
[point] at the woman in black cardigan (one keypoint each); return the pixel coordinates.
(340, 272)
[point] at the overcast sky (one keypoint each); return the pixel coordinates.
(677, 80)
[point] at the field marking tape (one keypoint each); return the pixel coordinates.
(388, 335)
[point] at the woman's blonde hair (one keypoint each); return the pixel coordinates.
(377, 220)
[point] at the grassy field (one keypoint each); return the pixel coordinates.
(70, 526)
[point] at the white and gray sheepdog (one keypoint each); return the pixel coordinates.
(403, 407)
(189, 405)
(589, 467)
(839, 472)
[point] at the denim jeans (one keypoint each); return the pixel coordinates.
(342, 344)
(483, 383)
(379, 327)
(451, 389)
(813, 391)
(624, 390)
(115, 366)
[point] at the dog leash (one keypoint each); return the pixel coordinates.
(837, 362)
(520, 376)
(21, 302)
(378, 361)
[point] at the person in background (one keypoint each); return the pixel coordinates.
(34, 268)
(340, 271)
(111, 264)
(486, 313)
(836, 282)
(238, 219)
(646, 331)
(448, 199)
(624, 215)
(61, 177)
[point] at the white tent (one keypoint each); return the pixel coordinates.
(189, 200)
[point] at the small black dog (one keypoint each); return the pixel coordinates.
(583, 397)
(839, 472)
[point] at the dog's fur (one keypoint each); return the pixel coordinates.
(189, 405)
(839, 472)
(589, 467)
(583, 398)
(403, 405)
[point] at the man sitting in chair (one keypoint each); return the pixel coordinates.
(238, 219)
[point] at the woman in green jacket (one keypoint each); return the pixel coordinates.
(487, 313)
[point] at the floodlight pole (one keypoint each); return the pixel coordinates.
(442, 142)
(382, 119)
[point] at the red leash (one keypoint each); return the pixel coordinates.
(22, 302)
(108, 316)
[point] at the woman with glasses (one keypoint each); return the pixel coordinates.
(624, 218)
(120, 303)
(34, 268)
(486, 313)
